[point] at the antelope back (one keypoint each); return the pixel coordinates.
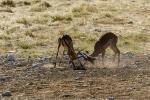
(107, 38)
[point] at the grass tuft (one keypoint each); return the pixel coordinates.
(45, 4)
(110, 19)
(23, 21)
(26, 43)
(8, 9)
(84, 9)
(5, 36)
(41, 6)
(29, 33)
(61, 18)
(8, 3)
(39, 19)
(23, 3)
(26, 3)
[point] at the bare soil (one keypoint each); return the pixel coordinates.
(131, 80)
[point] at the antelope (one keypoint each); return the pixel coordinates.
(66, 42)
(109, 39)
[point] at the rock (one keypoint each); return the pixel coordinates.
(80, 72)
(10, 56)
(110, 98)
(6, 93)
(47, 59)
(36, 65)
(4, 78)
(77, 78)
(129, 54)
(67, 94)
(2, 59)
(49, 66)
(45, 4)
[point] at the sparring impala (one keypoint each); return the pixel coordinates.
(66, 42)
(107, 40)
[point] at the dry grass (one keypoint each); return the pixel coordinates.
(40, 7)
(26, 43)
(134, 41)
(7, 9)
(22, 21)
(61, 18)
(85, 21)
(84, 9)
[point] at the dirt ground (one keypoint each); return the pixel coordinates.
(129, 81)
(32, 27)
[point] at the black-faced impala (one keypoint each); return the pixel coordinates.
(107, 40)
